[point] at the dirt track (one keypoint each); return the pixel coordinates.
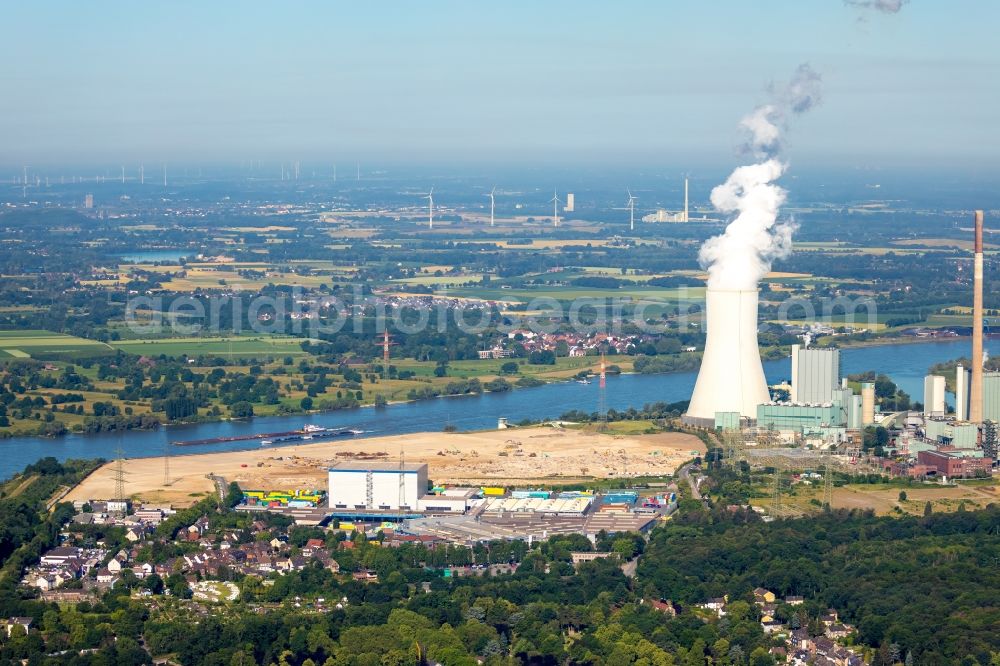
(501, 457)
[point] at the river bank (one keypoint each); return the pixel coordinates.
(905, 364)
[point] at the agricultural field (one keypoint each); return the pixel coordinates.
(564, 368)
(884, 499)
(943, 243)
(553, 243)
(48, 345)
(525, 295)
(945, 320)
(258, 346)
(196, 279)
(441, 280)
(20, 308)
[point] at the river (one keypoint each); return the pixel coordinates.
(906, 364)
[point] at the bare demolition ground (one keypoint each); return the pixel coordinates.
(503, 457)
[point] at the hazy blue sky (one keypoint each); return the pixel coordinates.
(554, 82)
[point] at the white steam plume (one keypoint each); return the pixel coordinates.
(884, 6)
(741, 256)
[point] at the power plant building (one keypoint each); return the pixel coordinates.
(570, 202)
(867, 403)
(663, 215)
(990, 408)
(369, 485)
(815, 374)
(788, 417)
(963, 378)
(850, 408)
(961, 435)
(991, 396)
(934, 388)
(837, 416)
(728, 421)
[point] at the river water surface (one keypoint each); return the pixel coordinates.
(906, 364)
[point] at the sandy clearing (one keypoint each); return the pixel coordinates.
(501, 457)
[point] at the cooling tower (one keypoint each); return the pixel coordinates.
(731, 378)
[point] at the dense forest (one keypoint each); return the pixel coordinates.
(887, 576)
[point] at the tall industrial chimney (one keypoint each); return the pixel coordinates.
(976, 387)
(686, 200)
(731, 378)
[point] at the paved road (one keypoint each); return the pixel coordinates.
(685, 473)
(221, 487)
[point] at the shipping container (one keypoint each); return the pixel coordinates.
(493, 492)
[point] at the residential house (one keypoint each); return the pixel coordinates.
(44, 582)
(105, 576)
(143, 570)
(717, 605)
(312, 547)
(771, 626)
(12, 623)
(767, 612)
(664, 606)
(839, 630)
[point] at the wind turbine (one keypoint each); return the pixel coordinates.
(430, 208)
(555, 207)
(631, 210)
(493, 202)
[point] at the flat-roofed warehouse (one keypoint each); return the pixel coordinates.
(363, 484)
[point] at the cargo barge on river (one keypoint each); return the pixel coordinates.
(308, 433)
